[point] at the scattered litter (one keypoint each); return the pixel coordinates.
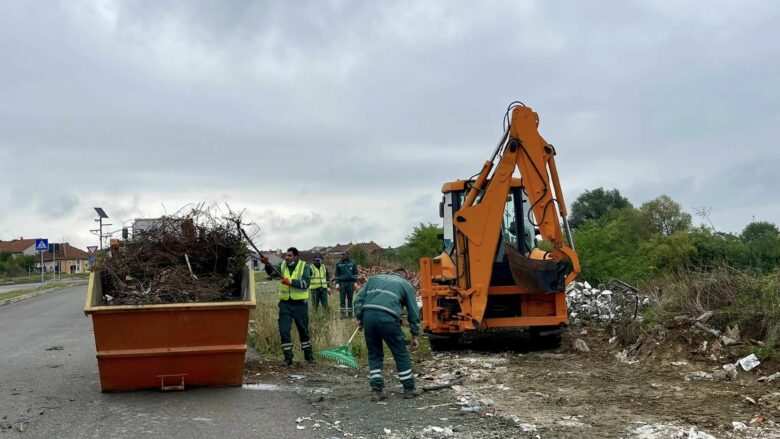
(758, 420)
(622, 356)
(679, 363)
(22, 427)
(727, 341)
(699, 375)
(749, 362)
(769, 378)
(749, 399)
(300, 427)
(706, 328)
(731, 371)
(297, 376)
(704, 317)
(388, 431)
(581, 346)
(738, 426)
(55, 348)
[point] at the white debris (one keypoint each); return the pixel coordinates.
(664, 431)
(699, 375)
(749, 362)
(388, 431)
(601, 305)
(770, 378)
(704, 317)
(731, 371)
(679, 363)
(738, 426)
(581, 346)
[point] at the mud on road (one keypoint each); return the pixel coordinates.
(534, 393)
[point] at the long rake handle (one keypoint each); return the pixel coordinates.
(353, 335)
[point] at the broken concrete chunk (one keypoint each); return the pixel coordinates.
(727, 341)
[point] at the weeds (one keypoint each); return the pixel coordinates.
(735, 297)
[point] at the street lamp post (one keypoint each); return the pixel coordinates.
(101, 214)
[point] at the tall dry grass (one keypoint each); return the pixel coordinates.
(326, 328)
(735, 297)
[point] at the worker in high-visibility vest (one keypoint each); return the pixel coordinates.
(319, 283)
(293, 295)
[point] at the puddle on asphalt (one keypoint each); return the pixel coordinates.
(284, 388)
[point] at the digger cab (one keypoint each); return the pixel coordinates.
(517, 230)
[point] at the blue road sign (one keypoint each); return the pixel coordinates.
(41, 245)
(91, 259)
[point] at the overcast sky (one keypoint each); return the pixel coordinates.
(336, 121)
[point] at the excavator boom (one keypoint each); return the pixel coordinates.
(492, 273)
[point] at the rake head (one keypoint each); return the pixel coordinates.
(340, 355)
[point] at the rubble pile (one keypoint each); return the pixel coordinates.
(365, 272)
(192, 257)
(601, 305)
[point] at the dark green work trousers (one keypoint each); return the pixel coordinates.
(380, 326)
(294, 311)
(319, 297)
(346, 291)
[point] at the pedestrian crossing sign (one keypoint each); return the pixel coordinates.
(41, 245)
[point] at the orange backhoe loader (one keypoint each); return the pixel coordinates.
(493, 271)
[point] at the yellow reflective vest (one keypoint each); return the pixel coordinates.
(319, 277)
(287, 292)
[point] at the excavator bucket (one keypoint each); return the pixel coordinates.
(534, 275)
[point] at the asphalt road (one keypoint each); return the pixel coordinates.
(56, 393)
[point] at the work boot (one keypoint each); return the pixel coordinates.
(311, 360)
(287, 362)
(378, 395)
(412, 393)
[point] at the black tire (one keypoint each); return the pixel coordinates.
(444, 342)
(551, 341)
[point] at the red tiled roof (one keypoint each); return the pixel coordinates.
(67, 251)
(16, 245)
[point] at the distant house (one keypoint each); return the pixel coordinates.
(67, 259)
(19, 246)
(254, 260)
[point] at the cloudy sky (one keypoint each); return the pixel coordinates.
(337, 121)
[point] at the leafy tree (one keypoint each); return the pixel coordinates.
(611, 247)
(666, 216)
(670, 253)
(423, 241)
(762, 240)
(592, 205)
(358, 254)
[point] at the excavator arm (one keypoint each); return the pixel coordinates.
(479, 219)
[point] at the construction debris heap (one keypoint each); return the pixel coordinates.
(192, 257)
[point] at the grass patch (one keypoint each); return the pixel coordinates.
(45, 287)
(326, 328)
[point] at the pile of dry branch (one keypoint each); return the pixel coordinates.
(196, 256)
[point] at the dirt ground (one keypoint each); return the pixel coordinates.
(504, 389)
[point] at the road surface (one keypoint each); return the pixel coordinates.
(56, 393)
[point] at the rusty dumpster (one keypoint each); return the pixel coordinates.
(170, 346)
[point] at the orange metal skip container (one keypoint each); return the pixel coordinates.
(170, 346)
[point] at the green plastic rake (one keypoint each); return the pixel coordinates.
(341, 354)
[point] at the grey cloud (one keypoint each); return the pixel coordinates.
(375, 98)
